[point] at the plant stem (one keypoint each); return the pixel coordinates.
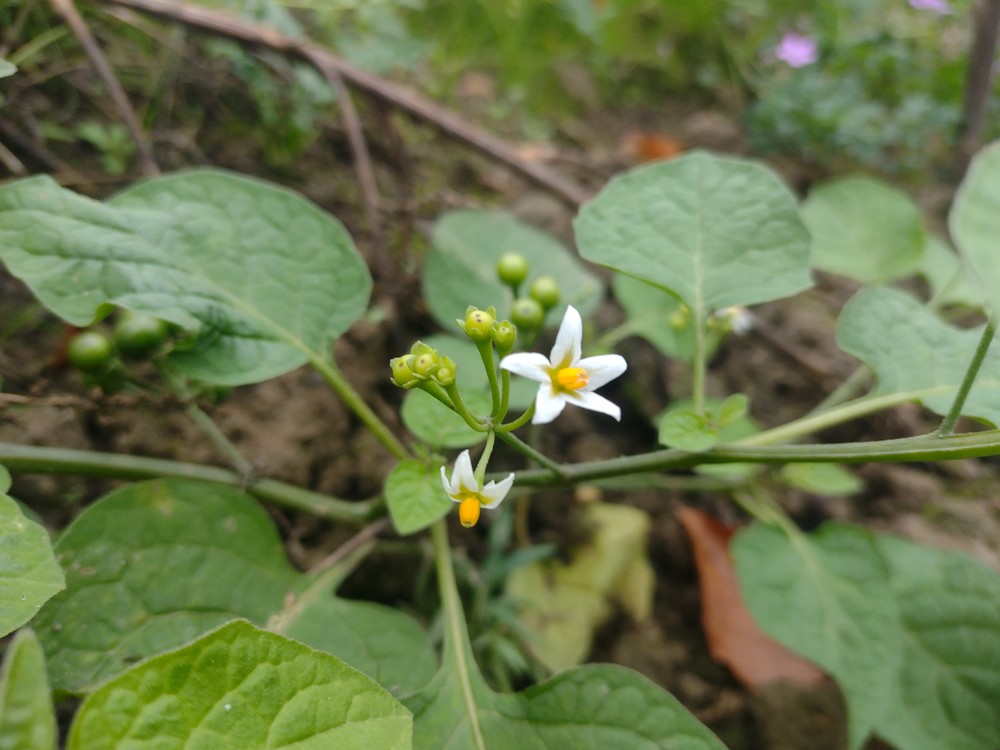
(948, 423)
(485, 349)
(336, 380)
(456, 636)
(459, 407)
(519, 422)
(699, 365)
(845, 391)
(923, 448)
(218, 437)
(484, 459)
(34, 459)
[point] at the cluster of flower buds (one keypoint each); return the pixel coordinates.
(421, 366)
(482, 326)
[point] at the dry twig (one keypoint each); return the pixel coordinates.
(74, 20)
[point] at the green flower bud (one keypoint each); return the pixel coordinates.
(402, 371)
(426, 364)
(545, 290)
(680, 317)
(445, 375)
(479, 323)
(527, 313)
(512, 269)
(504, 335)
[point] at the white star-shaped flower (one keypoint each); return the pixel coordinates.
(466, 490)
(566, 378)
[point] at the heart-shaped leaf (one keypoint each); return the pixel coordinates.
(686, 225)
(155, 564)
(916, 355)
(27, 717)
(264, 279)
(864, 229)
(240, 687)
(29, 574)
(461, 267)
(415, 496)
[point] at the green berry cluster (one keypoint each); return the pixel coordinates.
(423, 365)
(136, 336)
(528, 311)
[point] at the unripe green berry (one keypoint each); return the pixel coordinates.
(527, 313)
(512, 269)
(446, 372)
(139, 335)
(478, 324)
(402, 371)
(89, 351)
(504, 335)
(545, 290)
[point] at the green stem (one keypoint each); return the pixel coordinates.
(433, 389)
(845, 391)
(519, 422)
(456, 634)
(515, 442)
(459, 407)
(923, 448)
(34, 459)
(218, 437)
(484, 459)
(948, 423)
(485, 349)
(336, 380)
(504, 396)
(699, 365)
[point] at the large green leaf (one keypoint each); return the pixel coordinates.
(27, 717)
(975, 221)
(916, 355)
(155, 564)
(827, 596)
(29, 574)
(864, 229)
(595, 706)
(262, 277)
(461, 267)
(911, 634)
(947, 277)
(946, 691)
(240, 688)
(715, 231)
(439, 426)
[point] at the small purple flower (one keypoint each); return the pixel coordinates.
(798, 50)
(937, 6)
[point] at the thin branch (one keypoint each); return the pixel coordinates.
(74, 20)
(979, 76)
(399, 96)
(948, 423)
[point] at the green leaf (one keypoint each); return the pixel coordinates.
(461, 267)
(687, 226)
(29, 574)
(240, 687)
(947, 278)
(27, 717)
(415, 496)
(733, 408)
(822, 479)
(155, 564)
(826, 596)
(864, 229)
(437, 425)
(7, 68)
(658, 317)
(975, 222)
(262, 277)
(687, 430)
(947, 686)
(386, 644)
(5, 480)
(916, 355)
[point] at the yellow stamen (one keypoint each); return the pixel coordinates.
(468, 511)
(572, 378)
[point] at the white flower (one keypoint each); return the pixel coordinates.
(564, 376)
(465, 489)
(738, 318)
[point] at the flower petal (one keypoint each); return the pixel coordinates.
(569, 340)
(531, 365)
(463, 478)
(495, 493)
(602, 369)
(548, 404)
(595, 402)
(449, 488)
